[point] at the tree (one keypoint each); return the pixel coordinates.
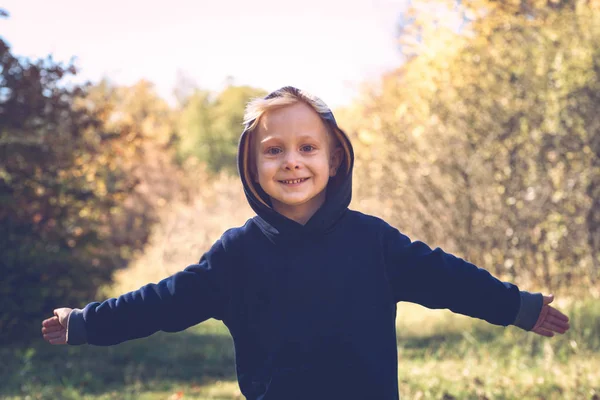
(210, 126)
(145, 150)
(69, 173)
(483, 141)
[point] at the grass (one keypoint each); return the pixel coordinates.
(441, 356)
(446, 356)
(198, 361)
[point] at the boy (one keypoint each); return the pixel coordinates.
(307, 288)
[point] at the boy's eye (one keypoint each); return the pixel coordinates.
(273, 150)
(307, 148)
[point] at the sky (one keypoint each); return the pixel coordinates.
(327, 47)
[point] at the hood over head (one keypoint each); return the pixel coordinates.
(339, 188)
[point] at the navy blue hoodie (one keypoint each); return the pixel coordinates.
(311, 308)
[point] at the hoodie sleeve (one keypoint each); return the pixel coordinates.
(199, 292)
(436, 279)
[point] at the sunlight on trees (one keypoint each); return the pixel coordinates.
(484, 141)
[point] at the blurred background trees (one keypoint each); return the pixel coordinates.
(85, 172)
(486, 140)
(60, 183)
(210, 124)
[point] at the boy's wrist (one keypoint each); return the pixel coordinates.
(529, 310)
(76, 333)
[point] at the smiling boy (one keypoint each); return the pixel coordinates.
(307, 287)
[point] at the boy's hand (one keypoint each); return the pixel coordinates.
(550, 320)
(54, 329)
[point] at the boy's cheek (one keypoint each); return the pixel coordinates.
(259, 173)
(266, 167)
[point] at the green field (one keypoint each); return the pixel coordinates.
(441, 356)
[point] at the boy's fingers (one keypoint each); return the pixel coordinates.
(557, 328)
(543, 332)
(50, 322)
(53, 335)
(557, 321)
(552, 320)
(52, 328)
(554, 327)
(557, 314)
(548, 299)
(58, 341)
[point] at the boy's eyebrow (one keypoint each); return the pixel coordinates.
(309, 137)
(268, 139)
(300, 137)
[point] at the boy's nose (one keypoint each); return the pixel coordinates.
(291, 162)
(291, 166)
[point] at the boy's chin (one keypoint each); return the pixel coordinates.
(289, 202)
(297, 201)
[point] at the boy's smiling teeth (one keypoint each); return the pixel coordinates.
(292, 181)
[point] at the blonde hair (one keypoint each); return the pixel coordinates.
(259, 107)
(284, 97)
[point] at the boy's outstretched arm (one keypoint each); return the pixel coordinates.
(436, 279)
(199, 292)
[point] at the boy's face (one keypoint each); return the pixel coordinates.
(294, 160)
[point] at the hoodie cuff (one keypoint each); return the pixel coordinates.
(76, 333)
(529, 311)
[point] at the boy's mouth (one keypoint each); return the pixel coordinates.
(293, 181)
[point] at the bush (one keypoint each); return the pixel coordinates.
(62, 188)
